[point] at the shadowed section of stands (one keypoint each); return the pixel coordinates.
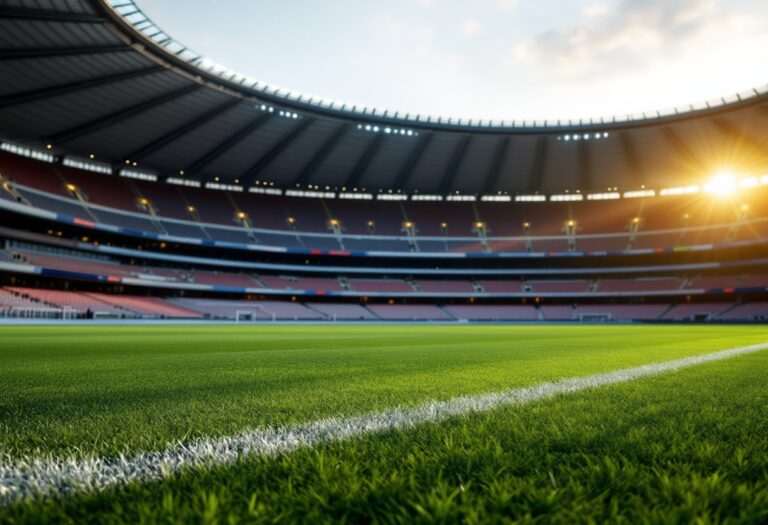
(294, 222)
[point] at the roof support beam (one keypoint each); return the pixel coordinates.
(50, 15)
(63, 89)
(585, 167)
(47, 52)
(253, 172)
(411, 161)
(741, 136)
(459, 151)
(364, 161)
(634, 163)
(321, 155)
(493, 176)
(211, 156)
(690, 160)
(179, 132)
(539, 164)
(117, 116)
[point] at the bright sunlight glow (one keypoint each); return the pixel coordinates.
(722, 184)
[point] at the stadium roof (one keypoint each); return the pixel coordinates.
(89, 77)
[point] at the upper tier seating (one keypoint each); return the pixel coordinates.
(382, 285)
(559, 286)
(636, 223)
(445, 286)
(639, 285)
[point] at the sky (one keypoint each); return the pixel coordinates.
(485, 59)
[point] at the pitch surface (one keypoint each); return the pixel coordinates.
(669, 441)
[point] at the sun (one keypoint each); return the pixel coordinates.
(722, 184)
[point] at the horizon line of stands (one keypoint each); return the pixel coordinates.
(24, 302)
(106, 266)
(146, 206)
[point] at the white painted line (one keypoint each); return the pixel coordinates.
(52, 477)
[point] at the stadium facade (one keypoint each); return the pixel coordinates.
(141, 180)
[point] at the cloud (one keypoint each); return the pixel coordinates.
(634, 35)
(470, 27)
(507, 4)
(595, 10)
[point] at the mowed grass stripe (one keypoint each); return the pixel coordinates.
(106, 391)
(60, 477)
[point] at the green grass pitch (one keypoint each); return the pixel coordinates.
(679, 447)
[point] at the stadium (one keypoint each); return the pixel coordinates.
(222, 301)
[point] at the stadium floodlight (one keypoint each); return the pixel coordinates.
(184, 182)
(135, 174)
(530, 198)
(613, 195)
(722, 184)
(683, 190)
(566, 197)
(636, 194)
(96, 167)
(749, 182)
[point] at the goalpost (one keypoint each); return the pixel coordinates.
(67, 313)
(245, 315)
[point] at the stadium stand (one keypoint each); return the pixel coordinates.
(10, 300)
(138, 213)
(79, 302)
(746, 312)
(445, 286)
(403, 312)
(559, 286)
(493, 312)
(342, 312)
(296, 222)
(148, 306)
(639, 285)
(701, 311)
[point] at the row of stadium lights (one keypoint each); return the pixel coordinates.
(280, 113)
(584, 136)
(721, 184)
(373, 128)
(479, 226)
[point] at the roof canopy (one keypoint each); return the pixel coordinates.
(87, 80)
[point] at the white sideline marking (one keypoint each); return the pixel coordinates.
(49, 477)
